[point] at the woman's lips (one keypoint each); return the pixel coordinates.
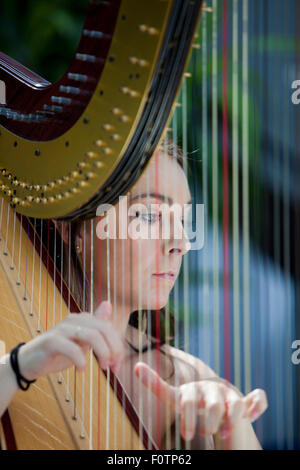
(170, 276)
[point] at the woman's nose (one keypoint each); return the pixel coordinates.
(178, 242)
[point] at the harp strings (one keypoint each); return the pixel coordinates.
(74, 368)
(40, 272)
(60, 376)
(131, 299)
(69, 296)
(167, 330)
(186, 304)
(1, 217)
(123, 303)
(204, 189)
(157, 315)
(225, 195)
(84, 310)
(92, 311)
(33, 265)
(284, 376)
(141, 294)
(176, 292)
(186, 279)
(54, 275)
(186, 300)
(295, 227)
(215, 192)
(99, 299)
(26, 267)
(141, 298)
(20, 251)
(245, 196)
(235, 199)
(185, 261)
(114, 319)
(32, 275)
(6, 237)
(278, 379)
(149, 329)
(108, 369)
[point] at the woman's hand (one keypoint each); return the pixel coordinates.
(68, 342)
(204, 406)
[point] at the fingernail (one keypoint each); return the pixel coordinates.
(107, 308)
(254, 414)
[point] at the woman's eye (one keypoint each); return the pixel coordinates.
(149, 218)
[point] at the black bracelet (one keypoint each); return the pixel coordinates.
(23, 383)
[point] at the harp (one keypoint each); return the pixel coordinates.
(106, 117)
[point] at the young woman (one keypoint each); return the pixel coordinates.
(137, 274)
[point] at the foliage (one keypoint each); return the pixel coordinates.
(42, 35)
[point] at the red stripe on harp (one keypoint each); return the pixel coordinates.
(9, 436)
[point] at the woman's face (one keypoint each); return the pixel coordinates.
(139, 273)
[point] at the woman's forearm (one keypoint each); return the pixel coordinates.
(8, 383)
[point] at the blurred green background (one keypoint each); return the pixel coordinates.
(43, 35)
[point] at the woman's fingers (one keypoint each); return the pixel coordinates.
(84, 319)
(112, 338)
(217, 408)
(65, 347)
(104, 311)
(165, 392)
(97, 332)
(95, 340)
(211, 407)
(114, 343)
(188, 413)
(68, 342)
(205, 406)
(256, 403)
(108, 349)
(234, 410)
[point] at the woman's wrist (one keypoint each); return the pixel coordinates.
(25, 363)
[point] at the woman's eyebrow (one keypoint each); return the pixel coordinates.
(162, 197)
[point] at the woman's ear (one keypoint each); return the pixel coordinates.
(78, 244)
(63, 230)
